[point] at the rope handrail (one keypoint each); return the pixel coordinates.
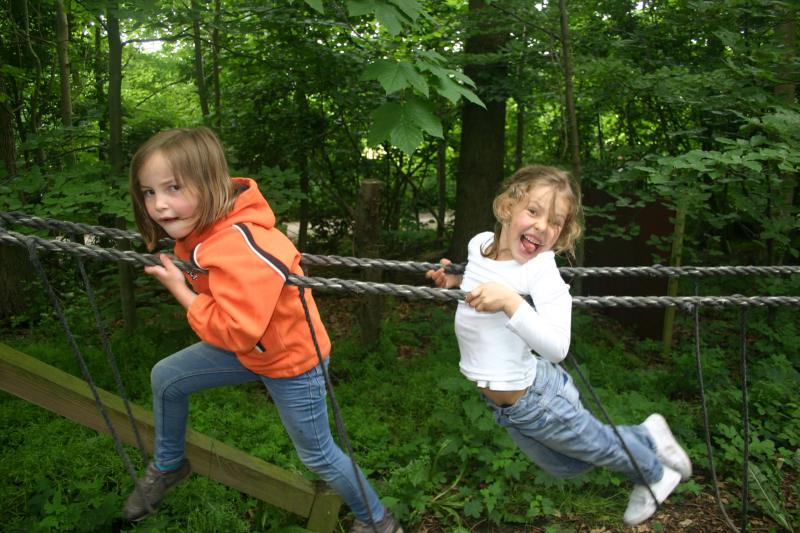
(690, 303)
(15, 217)
(405, 291)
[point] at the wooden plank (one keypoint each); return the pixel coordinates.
(324, 511)
(69, 396)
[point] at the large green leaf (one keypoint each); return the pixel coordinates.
(356, 8)
(390, 74)
(395, 75)
(403, 124)
(383, 121)
(410, 8)
(390, 17)
(420, 112)
(406, 135)
(316, 5)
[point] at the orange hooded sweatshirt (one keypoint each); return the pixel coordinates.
(243, 303)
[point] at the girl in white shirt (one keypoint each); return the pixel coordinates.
(511, 348)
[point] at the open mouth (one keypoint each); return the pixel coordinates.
(529, 245)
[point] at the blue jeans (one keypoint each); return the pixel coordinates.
(300, 401)
(551, 426)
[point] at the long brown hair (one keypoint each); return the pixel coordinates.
(197, 160)
(516, 188)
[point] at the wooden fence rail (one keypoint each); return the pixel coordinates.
(64, 394)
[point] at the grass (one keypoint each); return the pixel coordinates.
(417, 426)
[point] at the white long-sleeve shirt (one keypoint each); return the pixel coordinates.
(495, 349)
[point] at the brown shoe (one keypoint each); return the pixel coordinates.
(386, 525)
(151, 488)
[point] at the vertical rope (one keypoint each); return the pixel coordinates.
(613, 427)
(706, 426)
(111, 359)
(337, 416)
(34, 257)
(745, 415)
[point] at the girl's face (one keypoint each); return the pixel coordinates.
(532, 225)
(171, 205)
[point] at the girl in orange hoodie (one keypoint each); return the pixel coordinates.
(251, 324)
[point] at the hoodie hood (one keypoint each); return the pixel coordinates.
(250, 206)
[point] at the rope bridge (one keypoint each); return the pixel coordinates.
(407, 291)
(321, 516)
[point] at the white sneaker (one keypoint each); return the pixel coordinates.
(668, 450)
(641, 505)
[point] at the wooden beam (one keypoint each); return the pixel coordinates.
(71, 397)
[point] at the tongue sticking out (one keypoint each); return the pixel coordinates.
(528, 245)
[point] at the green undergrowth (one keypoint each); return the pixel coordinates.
(418, 428)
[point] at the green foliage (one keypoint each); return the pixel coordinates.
(676, 104)
(425, 437)
(403, 123)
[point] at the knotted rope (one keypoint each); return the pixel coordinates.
(689, 303)
(413, 292)
(14, 217)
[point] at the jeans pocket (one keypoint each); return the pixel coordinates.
(569, 391)
(570, 394)
(527, 411)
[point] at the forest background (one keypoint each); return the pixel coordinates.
(679, 118)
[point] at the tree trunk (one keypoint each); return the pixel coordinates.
(8, 145)
(62, 47)
(199, 71)
(114, 91)
(100, 94)
(302, 164)
(480, 162)
(441, 180)
(785, 91)
(215, 65)
(519, 134)
(15, 270)
(676, 256)
(28, 56)
(115, 158)
(572, 126)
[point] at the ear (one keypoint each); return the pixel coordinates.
(504, 210)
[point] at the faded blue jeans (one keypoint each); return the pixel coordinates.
(300, 401)
(551, 426)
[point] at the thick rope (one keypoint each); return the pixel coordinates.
(360, 287)
(87, 376)
(409, 291)
(112, 361)
(341, 430)
(607, 417)
(14, 217)
(706, 424)
(745, 415)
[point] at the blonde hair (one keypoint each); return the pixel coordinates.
(516, 188)
(198, 163)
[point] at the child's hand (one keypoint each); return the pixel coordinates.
(442, 279)
(167, 273)
(172, 278)
(493, 296)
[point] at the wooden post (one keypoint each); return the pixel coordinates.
(367, 244)
(69, 396)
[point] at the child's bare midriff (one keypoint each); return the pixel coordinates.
(503, 398)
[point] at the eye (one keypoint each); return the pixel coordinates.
(147, 193)
(174, 187)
